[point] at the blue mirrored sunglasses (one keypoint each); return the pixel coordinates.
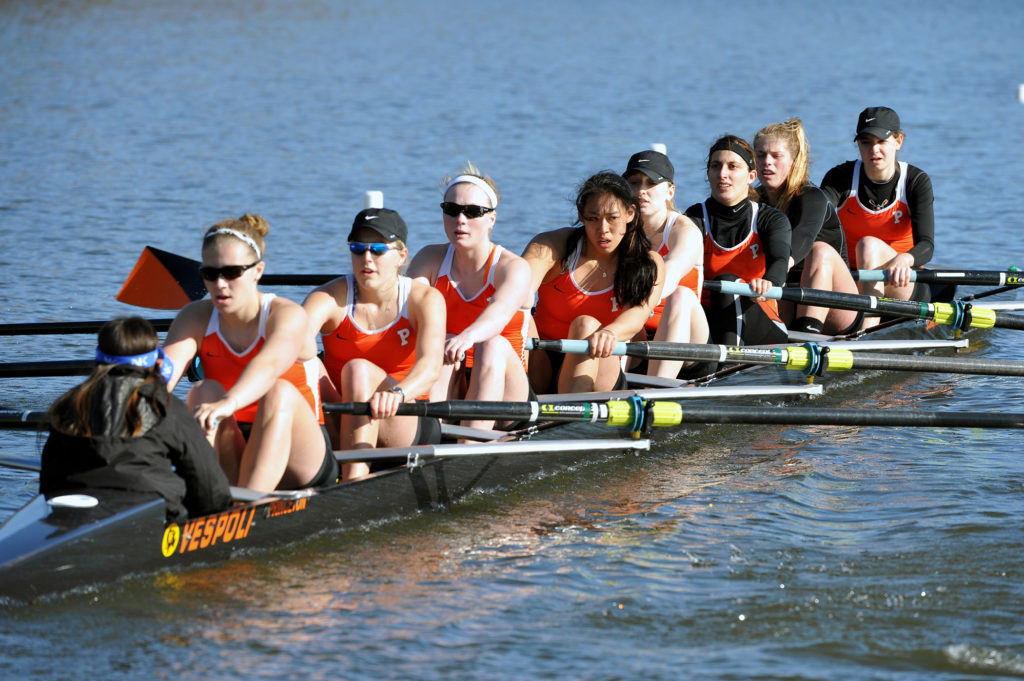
(376, 249)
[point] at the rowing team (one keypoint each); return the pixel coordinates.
(454, 325)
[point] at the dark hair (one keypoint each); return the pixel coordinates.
(124, 336)
(741, 148)
(636, 273)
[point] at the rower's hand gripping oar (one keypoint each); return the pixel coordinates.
(1012, 276)
(811, 358)
(957, 314)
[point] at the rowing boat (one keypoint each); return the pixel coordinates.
(70, 543)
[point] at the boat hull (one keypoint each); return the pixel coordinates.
(46, 549)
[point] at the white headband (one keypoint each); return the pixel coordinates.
(238, 235)
(473, 179)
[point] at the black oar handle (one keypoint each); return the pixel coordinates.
(465, 409)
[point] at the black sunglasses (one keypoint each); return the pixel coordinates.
(377, 249)
(228, 273)
(453, 210)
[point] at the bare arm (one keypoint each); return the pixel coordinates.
(184, 337)
(685, 251)
(630, 320)
(543, 254)
(511, 283)
(286, 337)
(425, 264)
(427, 316)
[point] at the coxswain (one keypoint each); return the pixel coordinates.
(121, 430)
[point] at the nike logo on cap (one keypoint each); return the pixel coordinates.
(372, 217)
(868, 120)
(643, 160)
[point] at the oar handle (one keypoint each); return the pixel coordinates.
(1010, 277)
(737, 288)
(570, 346)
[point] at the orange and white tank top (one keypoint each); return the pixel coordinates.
(561, 300)
(220, 362)
(463, 311)
(392, 347)
(891, 224)
(745, 260)
(693, 280)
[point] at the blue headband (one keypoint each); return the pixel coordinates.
(145, 360)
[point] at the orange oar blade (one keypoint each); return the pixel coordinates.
(162, 281)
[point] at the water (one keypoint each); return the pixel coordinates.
(797, 553)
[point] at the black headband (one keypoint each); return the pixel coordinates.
(726, 144)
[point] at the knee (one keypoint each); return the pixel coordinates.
(490, 352)
(355, 373)
(583, 326)
(206, 390)
(869, 249)
(282, 397)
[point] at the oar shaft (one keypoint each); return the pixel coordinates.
(506, 411)
(794, 357)
(851, 417)
(11, 419)
(942, 313)
(57, 367)
(42, 328)
(964, 277)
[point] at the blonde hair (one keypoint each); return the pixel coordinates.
(791, 131)
(470, 169)
(250, 225)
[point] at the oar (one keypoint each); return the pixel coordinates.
(166, 281)
(11, 419)
(64, 328)
(958, 316)
(640, 415)
(53, 367)
(1010, 277)
(6, 463)
(807, 358)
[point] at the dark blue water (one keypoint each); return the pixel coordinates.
(772, 553)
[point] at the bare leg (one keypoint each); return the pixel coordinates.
(825, 270)
(359, 380)
(286, 445)
(875, 254)
(682, 321)
(497, 375)
(583, 373)
(227, 440)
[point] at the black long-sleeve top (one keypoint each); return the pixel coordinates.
(838, 182)
(730, 225)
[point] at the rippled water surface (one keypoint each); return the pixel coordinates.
(736, 553)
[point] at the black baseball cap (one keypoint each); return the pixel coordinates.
(384, 221)
(653, 164)
(879, 121)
